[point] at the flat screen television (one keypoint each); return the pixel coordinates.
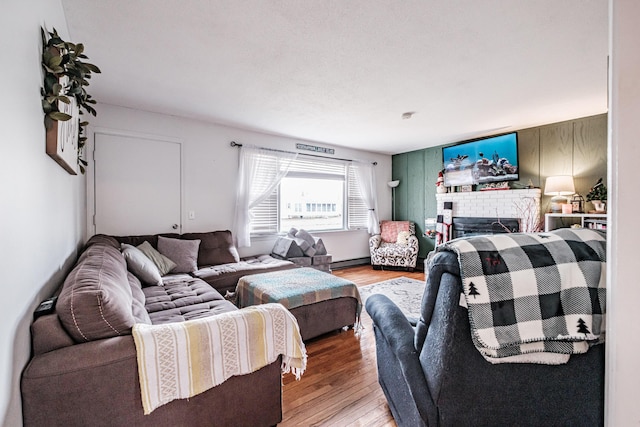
(481, 161)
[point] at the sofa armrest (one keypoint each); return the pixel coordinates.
(374, 241)
(96, 383)
(392, 323)
(48, 334)
(395, 340)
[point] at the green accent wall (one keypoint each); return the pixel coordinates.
(575, 147)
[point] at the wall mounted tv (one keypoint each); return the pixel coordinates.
(481, 161)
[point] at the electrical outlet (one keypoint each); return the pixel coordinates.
(192, 215)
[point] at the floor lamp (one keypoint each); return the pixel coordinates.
(393, 185)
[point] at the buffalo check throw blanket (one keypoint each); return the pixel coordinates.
(180, 360)
(534, 293)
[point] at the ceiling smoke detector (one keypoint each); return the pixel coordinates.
(407, 115)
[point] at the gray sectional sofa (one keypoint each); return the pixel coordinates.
(84, 369)
(218, 262)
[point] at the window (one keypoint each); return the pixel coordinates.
(315, 195)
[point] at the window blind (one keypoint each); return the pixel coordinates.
(357, 211)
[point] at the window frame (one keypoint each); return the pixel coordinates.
(354, 212)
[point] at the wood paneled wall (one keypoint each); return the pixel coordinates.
(575, 147)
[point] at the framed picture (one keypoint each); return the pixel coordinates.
(62, 137)
(466, 188)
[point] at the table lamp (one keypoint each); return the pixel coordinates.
(559, 187)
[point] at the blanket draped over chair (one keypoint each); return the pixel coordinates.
(180, 360)
(535, 297)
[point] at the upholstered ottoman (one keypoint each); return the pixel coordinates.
(320, 302)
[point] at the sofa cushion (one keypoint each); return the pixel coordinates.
(139, 239)
(304, 235)
(164, 264)
(140, 265)
(319, 246)
(137, 306)
(96, 300)
(183, 298)
(286, 247)
(224, 277)
(183, 252)
(104, 239)
(216, 247)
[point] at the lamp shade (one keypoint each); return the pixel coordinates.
(393, 184)
(561, 185)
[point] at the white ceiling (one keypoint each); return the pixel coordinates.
(343, 71)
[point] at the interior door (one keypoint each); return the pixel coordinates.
(137, 185)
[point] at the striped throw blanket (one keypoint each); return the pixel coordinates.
(180, 360)
(532, 293)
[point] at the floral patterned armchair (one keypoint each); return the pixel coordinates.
(395, 246)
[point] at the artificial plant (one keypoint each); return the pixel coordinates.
(597, 192)
(64, 59)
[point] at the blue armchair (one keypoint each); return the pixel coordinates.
(432, 375)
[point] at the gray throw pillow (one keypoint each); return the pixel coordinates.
(183, 252)
(141, 266)
(164, 264)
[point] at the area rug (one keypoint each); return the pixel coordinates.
(406, 293)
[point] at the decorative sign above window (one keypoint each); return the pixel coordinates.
(315, 148)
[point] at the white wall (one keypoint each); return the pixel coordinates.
(210, 167)
(42, 206)
(623, 293)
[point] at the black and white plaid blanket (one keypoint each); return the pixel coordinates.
(537, 292)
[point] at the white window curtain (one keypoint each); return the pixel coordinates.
(260, 172)
(366, 178)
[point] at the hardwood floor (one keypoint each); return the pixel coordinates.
(340, 386)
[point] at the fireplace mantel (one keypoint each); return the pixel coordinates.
(522, 204)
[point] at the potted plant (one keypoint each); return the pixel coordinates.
(598, 196)
(66, 76)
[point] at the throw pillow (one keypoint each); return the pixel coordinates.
(403, 238)
(183, 252)
(141, 266)
(164, 264)
(389, 230)
(216, 247)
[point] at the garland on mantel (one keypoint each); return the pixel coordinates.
(65, 76)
